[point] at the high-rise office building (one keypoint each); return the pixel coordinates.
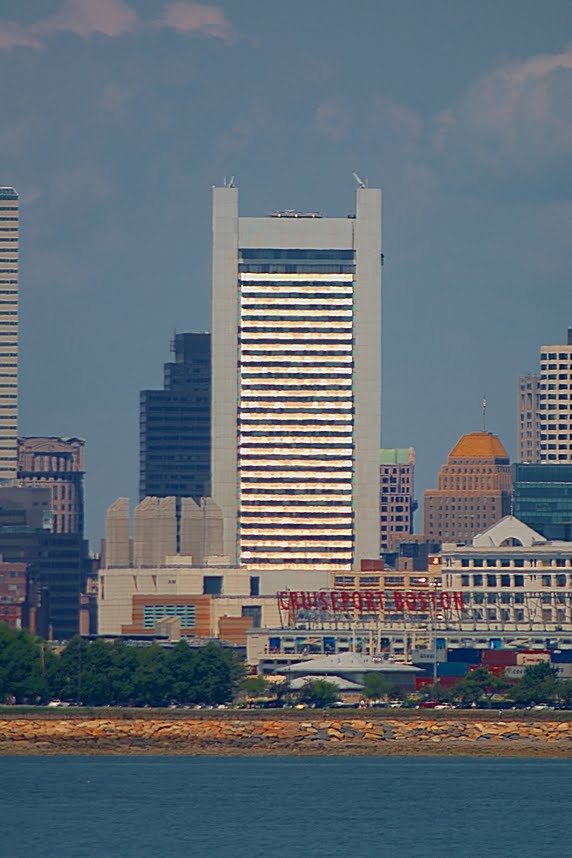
(542, 498)
(555, 411)
(474, 490)
(57, 464)
(528, 427)
(9, 235)
(297, 384)
(175, 424)
(396, 471)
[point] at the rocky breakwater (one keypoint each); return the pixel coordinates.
(316, 733)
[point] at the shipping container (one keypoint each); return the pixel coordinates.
(501, 657)
(453, 669)
(514, 672)
(561, 656)
(532, 657)
(465, 654)
(495, 669)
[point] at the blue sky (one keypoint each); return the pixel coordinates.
(119, 115)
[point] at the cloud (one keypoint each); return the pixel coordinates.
(196, 19)
(520, 112)
(12, 35)
(84, 18)
(332, 119)
(113, 18)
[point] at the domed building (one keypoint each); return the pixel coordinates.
(474, 490)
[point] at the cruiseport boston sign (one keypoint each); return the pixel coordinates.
(370, 601)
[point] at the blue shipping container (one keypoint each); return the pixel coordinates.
(452, 668)
(466, 654)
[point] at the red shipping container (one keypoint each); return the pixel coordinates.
(503, 657)
(494, 669)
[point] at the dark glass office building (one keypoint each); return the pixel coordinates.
(543, 498)
(175, 424)
(55, 561)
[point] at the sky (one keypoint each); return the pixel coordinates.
(118, 116)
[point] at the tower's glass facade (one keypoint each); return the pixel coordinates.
(175, 424)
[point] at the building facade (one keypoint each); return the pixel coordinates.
(513, 580)
(57, 464)
(9, 238)
(55, 561)
(474, 490)
(396, 473)
(542, 498)
(297, 383)
(555, 410)
(174, 431)
(529, 419)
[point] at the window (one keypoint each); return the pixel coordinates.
(254, 585)
(212, 585)
(491, 580)
(254, 611)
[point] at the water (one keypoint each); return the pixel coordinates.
(79, 807)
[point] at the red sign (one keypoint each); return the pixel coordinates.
(370, 601)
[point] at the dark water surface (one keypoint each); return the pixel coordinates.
(79, 807)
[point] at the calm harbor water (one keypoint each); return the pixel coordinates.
(79, 807)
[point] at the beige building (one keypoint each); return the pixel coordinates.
(529, 419)
(57, 464)
(296, 349)
(163, 527)
(9, 238)
(132, 601)
(555, 406)
(396, 473)
(513, 581)
(474, 490)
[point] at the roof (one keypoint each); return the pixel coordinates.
(479, 445)
(340, 683)
(397, 456)
(348, 662)
(509, 530)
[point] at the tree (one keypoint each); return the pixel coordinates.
(375, 687)
(538, 685)
(255, 686)
(149, 681)
(477, 684)
(23, 667)
(319, 693)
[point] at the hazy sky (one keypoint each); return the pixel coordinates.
(119, 115)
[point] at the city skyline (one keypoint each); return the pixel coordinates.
(114, 206)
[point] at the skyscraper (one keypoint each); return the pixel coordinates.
(297, 383)
(474, 490)
(9, 235)
(175, 424)
(529, 418)
(555, 411)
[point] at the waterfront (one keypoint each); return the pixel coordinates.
(82, 807)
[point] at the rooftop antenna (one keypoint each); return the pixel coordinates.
(484, 412)
(359, 180)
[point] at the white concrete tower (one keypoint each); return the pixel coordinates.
(9, 235)
(296, 357)
(555, 410)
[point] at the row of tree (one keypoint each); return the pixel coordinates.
(113, 674)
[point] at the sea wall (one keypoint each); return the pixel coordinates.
(318, 733)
